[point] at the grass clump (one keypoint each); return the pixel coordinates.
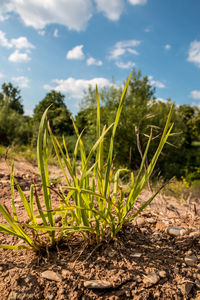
(92, 202)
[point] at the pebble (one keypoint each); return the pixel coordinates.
(51, 275)
(137, 255)
(188, 287)
(151, 221)
(143, 230)
(140, 221)
(175, 231)
(194, 234)
(97, 284)
(197, 282)
(190, 260)
(198, 276)
(162, 274)
(151, 278)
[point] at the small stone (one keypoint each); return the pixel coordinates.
(191, 260)
(140, 221)
(194, 234)
(162, 274)
(143, 230)
(136, 255)
(97, 284)
(198, 276)
(50, 275)
(197, 282)
(188, 287)
(151, 220)
(175, 231)
(151, 279)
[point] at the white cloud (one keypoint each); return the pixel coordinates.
(22, 81)
(21, 43)
(55, 33)
(161, 100)
(127, 65)
(194, 53)
(116, 52)
(167, 47)
(156, 83)
(93, 61)
(1, 75)
(120, 48)
(75, 87)
(137, 2)
(74, 14)
(75, 53)
(19, 57)
(3, 10)
(195, 95)
(112, 9)
(4, 41)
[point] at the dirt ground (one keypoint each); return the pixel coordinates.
(157, 256)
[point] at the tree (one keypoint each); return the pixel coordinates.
(15, 129)
(11, 97)
(58, 114)
(191, 120)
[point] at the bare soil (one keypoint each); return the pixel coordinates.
(143, 262)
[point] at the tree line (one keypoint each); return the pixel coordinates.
(142, 114)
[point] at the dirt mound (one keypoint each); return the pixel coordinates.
(155, 257)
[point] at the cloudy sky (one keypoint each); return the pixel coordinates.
(67, 45)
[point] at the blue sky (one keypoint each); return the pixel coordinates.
(67, 45)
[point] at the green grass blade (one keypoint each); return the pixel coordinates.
(110, 154)
(93, 150)
(16, 228)
(20, 247)
(24, 201)
(43, 167)
(13, 193)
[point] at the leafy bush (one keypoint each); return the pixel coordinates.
(96, 205)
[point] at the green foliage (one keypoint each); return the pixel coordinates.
(143, 111)
(14, 128)
(10, 96)
(96, 205)
(58, 114)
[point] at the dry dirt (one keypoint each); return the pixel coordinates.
(143, 262)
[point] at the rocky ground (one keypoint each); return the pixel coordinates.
(155, 257)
